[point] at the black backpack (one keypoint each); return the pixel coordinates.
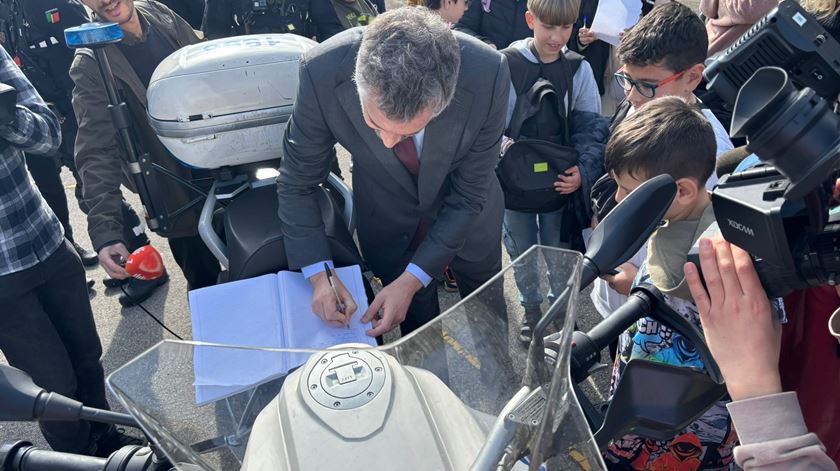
(542, 148)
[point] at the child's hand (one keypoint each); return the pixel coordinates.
(741, 330)
(569, 182)
(586, 37)
(622, 282)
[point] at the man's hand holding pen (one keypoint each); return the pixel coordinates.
(330, 300)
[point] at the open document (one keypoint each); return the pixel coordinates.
(272, 311)
(613, 17)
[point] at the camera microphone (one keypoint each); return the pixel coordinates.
(729, 160)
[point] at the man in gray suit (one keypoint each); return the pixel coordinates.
(422, 111)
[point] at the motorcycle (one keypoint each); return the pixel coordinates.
(220, 109)
(452, 395)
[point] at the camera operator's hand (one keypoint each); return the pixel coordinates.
(741, 330)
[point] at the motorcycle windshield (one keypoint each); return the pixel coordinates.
(458, 393)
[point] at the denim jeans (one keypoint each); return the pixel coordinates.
(520, 232)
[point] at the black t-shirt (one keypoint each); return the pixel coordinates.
(145, 56)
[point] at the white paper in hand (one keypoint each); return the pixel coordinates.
(613, 17)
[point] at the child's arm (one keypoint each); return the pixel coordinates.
(589, 135)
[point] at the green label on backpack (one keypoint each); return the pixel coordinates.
(540, 167)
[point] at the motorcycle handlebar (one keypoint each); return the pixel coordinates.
(22, 456)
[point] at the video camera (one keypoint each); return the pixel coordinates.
(784, 77)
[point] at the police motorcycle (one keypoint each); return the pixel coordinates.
(220, 108)
(452, 395)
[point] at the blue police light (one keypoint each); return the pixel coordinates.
(93, 35)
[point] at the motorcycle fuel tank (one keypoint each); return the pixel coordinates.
(361, 410)
(226, 102)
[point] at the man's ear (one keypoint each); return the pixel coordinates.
(687, 190)
(529, 20)
(693, 76)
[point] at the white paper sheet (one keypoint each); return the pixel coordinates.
(613, 17)
(268, 311)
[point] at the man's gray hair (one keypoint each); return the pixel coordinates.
(408, 62)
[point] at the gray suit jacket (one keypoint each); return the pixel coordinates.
(457, 189)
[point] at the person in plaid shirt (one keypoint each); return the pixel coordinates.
(46, 324)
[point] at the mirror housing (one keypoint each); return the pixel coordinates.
(20, 395)
(657, 401)
(627, 227)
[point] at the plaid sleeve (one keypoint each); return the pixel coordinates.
(36, 130)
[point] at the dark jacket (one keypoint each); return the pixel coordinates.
(46, 59)
(190, 10)
(457, 191)
(327, 23)
(223, 18)
(99, 153)
(504, 24)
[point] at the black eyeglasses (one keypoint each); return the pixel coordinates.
(647, 90)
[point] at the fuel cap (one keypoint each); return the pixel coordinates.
(344, 380)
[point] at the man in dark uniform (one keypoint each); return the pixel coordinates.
(318, 19)
(38, 46)
(190, 10)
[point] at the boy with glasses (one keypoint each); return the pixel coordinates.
(663, 56)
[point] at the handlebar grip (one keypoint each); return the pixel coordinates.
(638, 304)
(23, 456)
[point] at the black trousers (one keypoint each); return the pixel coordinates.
(469, 276)
(47, 330)
(425, 307)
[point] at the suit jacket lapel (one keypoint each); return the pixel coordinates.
(440, 143)
(349, 99)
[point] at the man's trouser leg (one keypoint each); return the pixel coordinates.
(199, 265)
(47, 330)
(487, 321)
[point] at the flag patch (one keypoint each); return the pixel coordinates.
(52, 16)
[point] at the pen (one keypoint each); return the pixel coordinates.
(585, 20)
(338, 304)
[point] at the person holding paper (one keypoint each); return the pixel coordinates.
(421, 109)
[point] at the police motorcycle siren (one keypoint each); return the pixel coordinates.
(220, 107)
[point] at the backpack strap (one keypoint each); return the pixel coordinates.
(524, 109)
(569, 83)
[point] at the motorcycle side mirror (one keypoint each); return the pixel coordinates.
(627, 227)
(24, 401)
(657, 401)
(20, 395)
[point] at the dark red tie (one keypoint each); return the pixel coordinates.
(406, 151)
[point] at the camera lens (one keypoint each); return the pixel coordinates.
(795, 131)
